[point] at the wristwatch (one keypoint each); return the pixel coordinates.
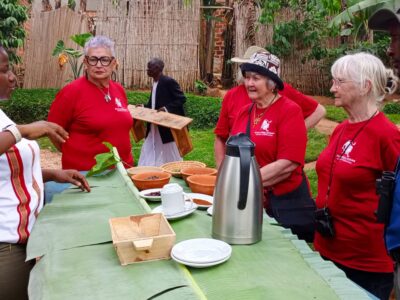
(14, 131)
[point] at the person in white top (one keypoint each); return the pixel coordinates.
(21, 187)
(166, 95)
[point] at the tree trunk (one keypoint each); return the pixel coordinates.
(226, 77)
(209, 46)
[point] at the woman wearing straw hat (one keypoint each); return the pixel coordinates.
(237, 97)
(278, 130)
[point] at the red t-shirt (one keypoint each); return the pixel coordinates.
(237, 97)
(358, 242)
(80, 108)
(280, 134)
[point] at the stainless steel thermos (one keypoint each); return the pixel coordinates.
(238, 206)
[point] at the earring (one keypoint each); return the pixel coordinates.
(114, 76)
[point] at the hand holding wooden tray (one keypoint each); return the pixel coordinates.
(176, 123)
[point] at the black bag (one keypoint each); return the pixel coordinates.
(295, 210)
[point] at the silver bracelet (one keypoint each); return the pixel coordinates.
(14, 131)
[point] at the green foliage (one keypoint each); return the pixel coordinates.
(334, 113)
(70, 55)
(26, 106)
(311, 27)
(104, 161)
(29, 105)
(392, 108)
(200, 87)
(12, 33)
(306, 31)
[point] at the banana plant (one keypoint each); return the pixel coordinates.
(70, 55)
(354, 19)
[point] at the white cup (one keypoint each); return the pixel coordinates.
(172, 199)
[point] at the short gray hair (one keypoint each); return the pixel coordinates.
(362, 67)
(99, 41)
(157, 62)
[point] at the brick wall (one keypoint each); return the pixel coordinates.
(219, 39)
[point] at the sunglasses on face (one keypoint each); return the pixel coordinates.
(104, 60)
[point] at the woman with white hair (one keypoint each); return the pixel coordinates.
(360, 149)
(93, 109)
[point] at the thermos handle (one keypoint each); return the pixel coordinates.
(245, 159)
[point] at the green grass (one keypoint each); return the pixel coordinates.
(312, 178)
(334, 113)
(315, 144)
(395, 118)
(45, 143)
(203, 147)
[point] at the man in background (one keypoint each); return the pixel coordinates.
(166, 95)
(386, 19)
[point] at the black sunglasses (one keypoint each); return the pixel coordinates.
(104, 60)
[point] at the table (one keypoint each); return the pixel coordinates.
(79, 261)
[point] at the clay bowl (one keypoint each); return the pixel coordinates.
(189, 171)
(142, 169)
(203, 184)
(150, 180)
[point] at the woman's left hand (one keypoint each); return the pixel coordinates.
(67, 176)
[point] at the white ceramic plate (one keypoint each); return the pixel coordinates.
(189, 209)
(210, 210)
(145, 194)
(201, 251)
(194, 265)
(204, 197)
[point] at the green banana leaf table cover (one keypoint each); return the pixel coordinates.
(78, 260)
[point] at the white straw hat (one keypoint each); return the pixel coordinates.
(249, 52)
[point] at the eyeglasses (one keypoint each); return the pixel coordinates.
(104, 60)
(338, 82)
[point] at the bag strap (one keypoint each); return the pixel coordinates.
(397, 170)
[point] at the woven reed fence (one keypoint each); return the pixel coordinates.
(42, 69)
(307, 77)
(143, 29)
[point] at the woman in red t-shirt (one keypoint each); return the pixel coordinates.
(93, 109)
(277, 128)
(359, 150)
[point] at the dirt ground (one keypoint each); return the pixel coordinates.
(52, 160)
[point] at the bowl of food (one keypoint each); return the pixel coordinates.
(142, 169)
(175, 167)
(189, 171)
(203, 184)
(150, 180)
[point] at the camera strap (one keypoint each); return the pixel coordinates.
(328, 191)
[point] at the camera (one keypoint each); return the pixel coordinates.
(324, 223)
(384, 188)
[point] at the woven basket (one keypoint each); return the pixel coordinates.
(175, 167)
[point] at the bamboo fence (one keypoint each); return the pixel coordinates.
(41, 68)
(144, 29)
(307, 77)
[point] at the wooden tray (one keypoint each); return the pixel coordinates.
(177, 124)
